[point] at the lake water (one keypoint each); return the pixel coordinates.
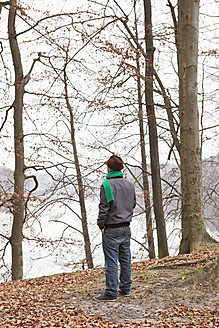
(56, 251)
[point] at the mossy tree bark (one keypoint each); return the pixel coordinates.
(193, 228)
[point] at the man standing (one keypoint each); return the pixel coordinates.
(117, 201)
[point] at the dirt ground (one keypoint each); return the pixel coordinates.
(172, 292)
(155, 292)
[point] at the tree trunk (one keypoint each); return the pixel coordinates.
(147, 202)
(154, 154)
(193, 228)
(89, 258)
(18, 198)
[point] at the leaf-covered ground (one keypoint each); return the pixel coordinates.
(172, 292)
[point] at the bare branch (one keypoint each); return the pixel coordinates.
(173, 16)
(27, 77)
(5, 3)
(1, 48)
(30, 192)
(169, 112)
(134, 38)
(6, 116)
(165, 96)
(138, 242)
(138, 182)
(150, 174)
(126, 17)
(68, 225)
(171, 149)
(4, 236)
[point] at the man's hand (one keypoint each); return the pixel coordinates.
(102, 230)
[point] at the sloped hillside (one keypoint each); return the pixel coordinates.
(164, 294)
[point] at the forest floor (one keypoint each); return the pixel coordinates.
(170, 292)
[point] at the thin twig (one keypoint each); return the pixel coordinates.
(6, 116)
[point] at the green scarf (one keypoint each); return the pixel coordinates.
(107, 186)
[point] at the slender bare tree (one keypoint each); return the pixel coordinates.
(81, 189)
(18, 198)
(154, 153)
(146, 190)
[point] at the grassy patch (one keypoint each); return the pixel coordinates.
(190, 272)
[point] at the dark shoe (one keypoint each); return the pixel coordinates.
(105, 297)
(122, 293)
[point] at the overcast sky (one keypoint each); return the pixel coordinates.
(160, 10)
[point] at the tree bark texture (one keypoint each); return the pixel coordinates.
(193, 228)
(18, 197)
(154, 154)
(87, 246)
